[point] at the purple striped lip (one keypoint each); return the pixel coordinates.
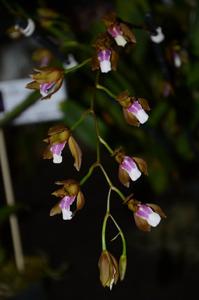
(46, 88)
(135, 107)
(128, 164)
(104, 55)
(144, 211)
(66, 202)
(57, 148)
(115, 31)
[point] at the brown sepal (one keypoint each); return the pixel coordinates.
(133, 205)
(60, 193)
(47, 154)
(114, 60)
(142, 165)
(128, 33)
(157, 209)
(33, 85)
(76, 152)
(55, 210)
(47, 74)
(130, 118)
(110, 19)
(141, 223)
(123, 177)
(57, 129)
(95, 63)
(124, 99)
(115, 269)
(80, 201)
(144, 103)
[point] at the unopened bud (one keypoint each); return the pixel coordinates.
(122, 266)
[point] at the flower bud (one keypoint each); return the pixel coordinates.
(122, 266)
(108, 267)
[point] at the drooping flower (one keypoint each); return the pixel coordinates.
(146, 215)
(105, 57)
(109, 271)
(42, 57)
(130, 168)
(47, 80)
(58, 137)
(134, 109)
(119, 30)
(176, 55)
(69, 193)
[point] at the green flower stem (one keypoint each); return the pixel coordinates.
(97, 133)
(106, 90)
(121, 234)
(102, 141)
(106, 176)
(95, 117)
(119, 193)
(107, 215)
(81, 119)
(90, 171)
(104, 232)
(82, 64)
(110, 183)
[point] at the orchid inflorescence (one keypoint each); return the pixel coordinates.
(135, 109)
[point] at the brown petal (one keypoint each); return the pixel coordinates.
(133, 205)
(59, 137)
(104, 263)
(80, 200)
(141, 164)
(47, 74)
(47, 153)
(123, 177)
(114, 59)
(109, 19)
(141, 224)
(95, 63)
(144, 103)
(55, 210)
(56, 129)
(114, 269)
(157, 209)
(33, 85)
(130, 118)
(123, 95)
(124, 99)
(59, 193)
(128, 33)
(76, 152)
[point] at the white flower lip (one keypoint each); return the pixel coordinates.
(153, 219)
(142, 116)
(135, 174)
(105, 66)
(57, 159)
(67, 214)
(120, 40)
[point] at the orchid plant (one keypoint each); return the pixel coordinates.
(108, 47)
